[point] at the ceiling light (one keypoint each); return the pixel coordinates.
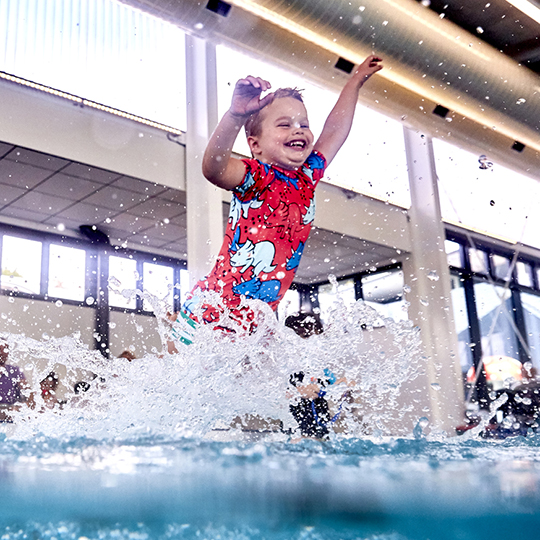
(526, 7)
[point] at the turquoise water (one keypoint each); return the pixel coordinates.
(151, 451)
(350, 489)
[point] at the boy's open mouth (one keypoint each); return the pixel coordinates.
(296, 144)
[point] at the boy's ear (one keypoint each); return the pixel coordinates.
(254, 146)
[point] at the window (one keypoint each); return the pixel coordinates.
(100, 50)
(524, 274)
(21, 265)
(461, 320)
(454, 253)
(332, 297)
(67, 270)
(478, 260)
(290, 304)
(478, 195)
(384, 292)
(495, 314)
(501, 267)
(122, 281)
(531, 311)
(383, 142)
(158, 281)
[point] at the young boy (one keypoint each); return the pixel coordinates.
(273, 205)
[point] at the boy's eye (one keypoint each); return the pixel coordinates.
(284, 124)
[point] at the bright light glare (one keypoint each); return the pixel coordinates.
(526, 7)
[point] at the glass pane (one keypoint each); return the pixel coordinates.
(524, 274)
(21, 265)
(461, 320)
(531, 310)
(501, 267)
(185, 286)
(478, 260)
(383, 142)
(158, 281)
(122, 277)
(475, 192)
(100, 50)
(67, 269)
(331, 296)
(289, 304)
(384, 292)
(453, 253)
(495, 313)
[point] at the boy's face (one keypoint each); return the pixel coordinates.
(285, 139)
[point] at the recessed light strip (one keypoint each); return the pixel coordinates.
(528, 8)
(87, 103)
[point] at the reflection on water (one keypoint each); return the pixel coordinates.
(172, 446)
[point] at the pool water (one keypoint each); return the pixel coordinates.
(151, 451)
(190, 488)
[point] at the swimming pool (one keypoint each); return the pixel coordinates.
(150, 452)
(190, 488)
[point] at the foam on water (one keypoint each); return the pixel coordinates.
(151, 451)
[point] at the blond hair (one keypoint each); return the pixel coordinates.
(254, 122)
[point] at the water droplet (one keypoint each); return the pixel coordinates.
(424, 301)
(433, 276)
(61, 227)
(479, 29)
(90, 300)
(385, 23)
(357, 19)
(484, 162)
(406, 289)
(492, 203)
(520, 101)
(435, 386)
(166, 221)
(59, 303)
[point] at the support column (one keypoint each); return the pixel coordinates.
(204, 204)
(427, 274)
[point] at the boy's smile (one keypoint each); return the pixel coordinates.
(285, 139)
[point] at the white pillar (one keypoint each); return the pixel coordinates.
(204, 200)
(427, 274)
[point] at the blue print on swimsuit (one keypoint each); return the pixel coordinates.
(315, 161)
(267, 291)
(294, 261)
(239, 208)
(259, 256)
(245, 185)
(282, 176)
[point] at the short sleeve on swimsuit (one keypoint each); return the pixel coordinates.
(314, 166)
(254, 180)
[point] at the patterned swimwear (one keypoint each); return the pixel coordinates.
(270, 219)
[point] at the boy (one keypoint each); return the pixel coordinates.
(273, 206)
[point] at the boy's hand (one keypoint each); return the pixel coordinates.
(367, 68)
(246, 97)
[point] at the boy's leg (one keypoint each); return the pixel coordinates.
(184, 328)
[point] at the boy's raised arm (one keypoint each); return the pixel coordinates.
(338, 124)
(219, 167)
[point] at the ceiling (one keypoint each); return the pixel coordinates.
(498, 23)
(43, 191)
(49, 193)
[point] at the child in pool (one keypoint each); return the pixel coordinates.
(273, 205)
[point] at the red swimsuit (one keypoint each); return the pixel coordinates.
(270, 219)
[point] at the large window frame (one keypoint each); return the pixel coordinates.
(470, 274)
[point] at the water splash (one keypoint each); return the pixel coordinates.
(226, 385)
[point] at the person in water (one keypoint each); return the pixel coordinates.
(273, 205)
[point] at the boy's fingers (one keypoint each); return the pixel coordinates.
(266, 100)
(256, 82)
